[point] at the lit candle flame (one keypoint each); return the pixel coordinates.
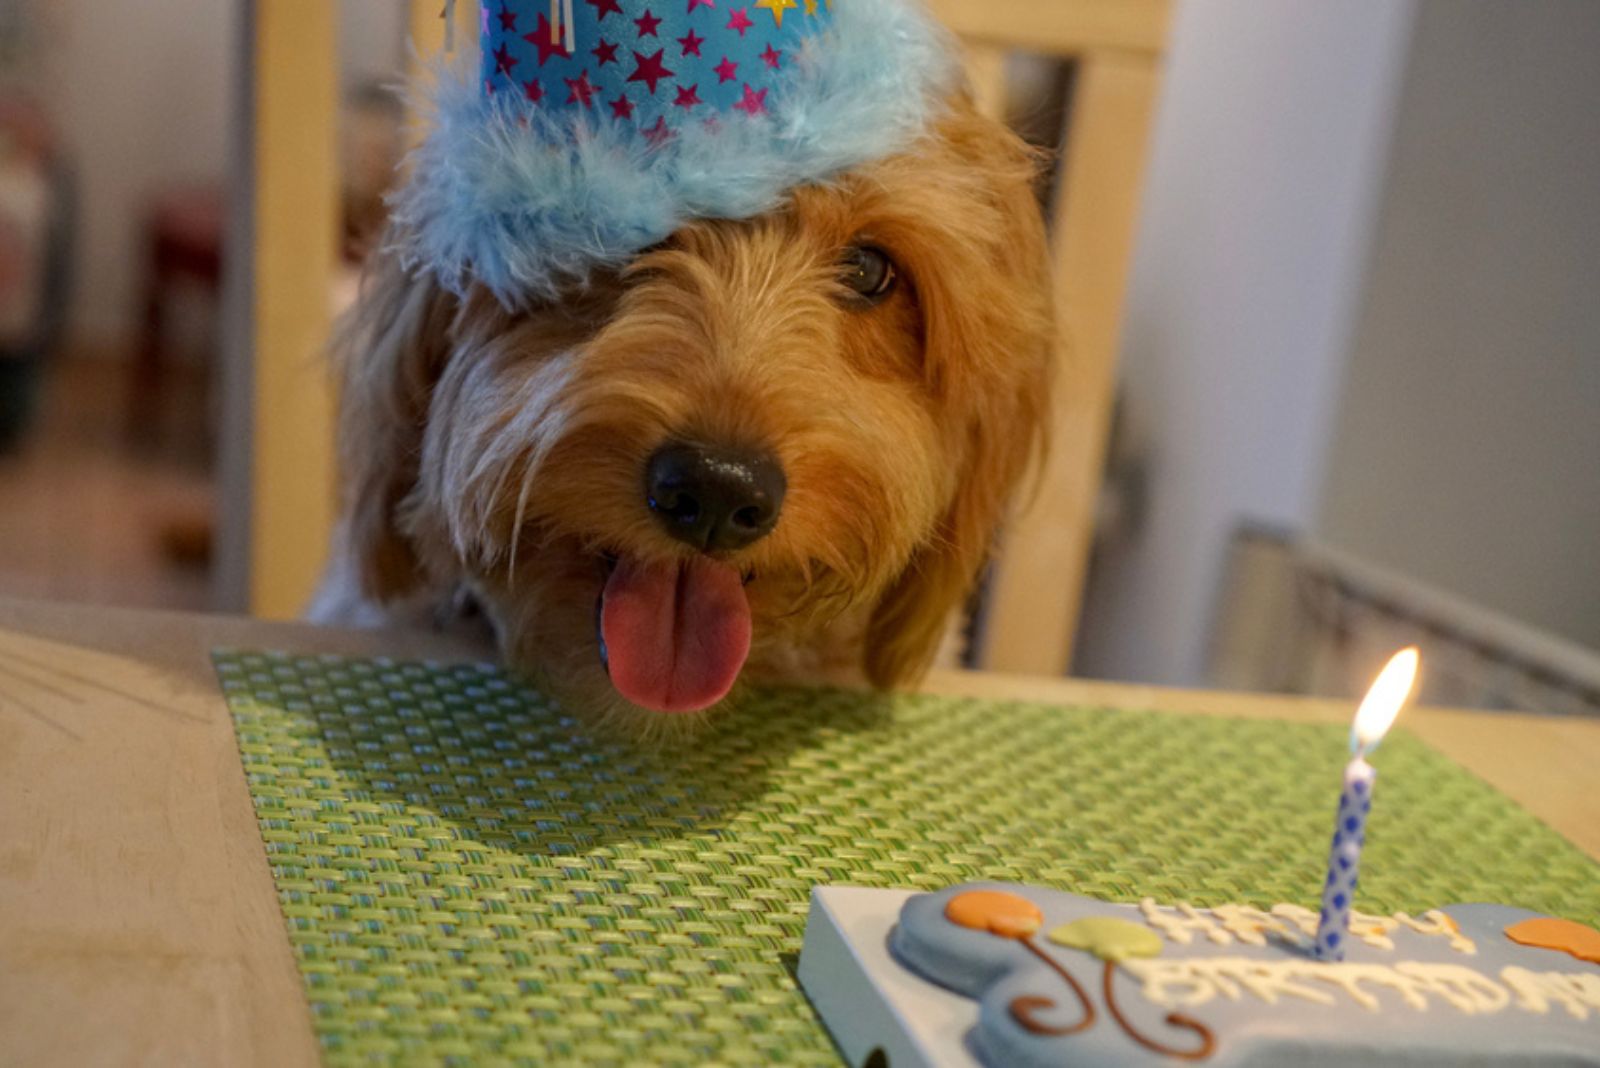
(1383, 702)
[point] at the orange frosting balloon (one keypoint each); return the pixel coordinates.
(995, 911)
(1569, 937)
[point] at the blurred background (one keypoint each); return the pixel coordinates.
(1330, 272)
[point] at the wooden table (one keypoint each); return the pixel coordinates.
(138, 921)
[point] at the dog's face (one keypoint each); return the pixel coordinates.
(761, 435)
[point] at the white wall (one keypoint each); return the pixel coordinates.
(1467, 451)
(140, 92)
(1268, 154)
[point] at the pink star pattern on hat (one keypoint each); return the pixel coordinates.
(503, 60)
(753, 103)
(543, 38)
(582, 91)
(651, 70)
(648, 63)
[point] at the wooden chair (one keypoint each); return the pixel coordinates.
(276, 499)
(1029, 616)
(1032, 602)
(278, 474)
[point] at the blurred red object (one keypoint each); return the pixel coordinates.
(183, 237)
(36, 214)
(26, 128)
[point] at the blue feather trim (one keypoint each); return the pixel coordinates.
(525, 202)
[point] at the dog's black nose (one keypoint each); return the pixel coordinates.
(714, 499)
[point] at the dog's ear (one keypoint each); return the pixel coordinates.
(387, 355)
(988, 340)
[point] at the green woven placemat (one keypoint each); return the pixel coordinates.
(467, 877)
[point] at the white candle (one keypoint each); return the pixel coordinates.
(1378, 710)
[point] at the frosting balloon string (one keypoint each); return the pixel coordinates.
(1007, 915)
(1208, 1041)
(1023, 1008)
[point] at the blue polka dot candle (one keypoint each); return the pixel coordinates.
(1377, 712)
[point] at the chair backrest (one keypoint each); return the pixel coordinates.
(1029, 612)
(285, 266)
(276, 503)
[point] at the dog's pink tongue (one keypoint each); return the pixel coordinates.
(676, 635)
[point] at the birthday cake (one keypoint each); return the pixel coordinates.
(1005, 975)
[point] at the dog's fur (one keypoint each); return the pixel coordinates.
(502, 453)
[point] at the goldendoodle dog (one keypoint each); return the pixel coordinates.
(776, 446)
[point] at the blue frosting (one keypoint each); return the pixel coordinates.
(1247, 1029)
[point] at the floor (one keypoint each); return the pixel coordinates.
(88, 514)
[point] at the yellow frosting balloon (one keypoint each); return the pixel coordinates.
(1107, 938)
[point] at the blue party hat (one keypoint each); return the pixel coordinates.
(596, 128)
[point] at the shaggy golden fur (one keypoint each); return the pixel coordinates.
(502, 452)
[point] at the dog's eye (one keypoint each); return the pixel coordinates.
(868, 272)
